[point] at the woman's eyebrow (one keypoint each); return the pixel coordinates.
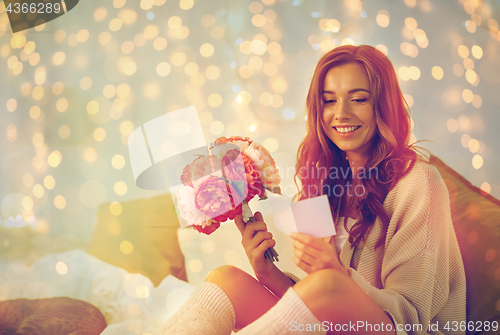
(354, 90)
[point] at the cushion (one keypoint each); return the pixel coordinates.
(140, 236)
(476, 219)
(59, 315)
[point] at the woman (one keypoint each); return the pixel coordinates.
(400, 268)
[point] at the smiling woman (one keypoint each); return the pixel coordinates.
(394, 266)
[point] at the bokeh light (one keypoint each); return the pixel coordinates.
(195, 265)
(217, 128)
(62, 105)
(64, 131)
(477, 161)
(383, 18)
(437, 72)
(99, 134)
(163, 69)
(55, 158)
(485, 188)
(115, 208)
(214, 100)
(207, 50)
(186, 4)
(118, 162)
(452, 125)
(60, 202)
(49, 182)
(126, 247)
(120, 188)
(61, 268)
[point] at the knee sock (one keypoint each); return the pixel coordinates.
(207, 312)
(290, 316)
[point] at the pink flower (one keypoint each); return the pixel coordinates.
(187, 208)
(264, 163)
(217, 201)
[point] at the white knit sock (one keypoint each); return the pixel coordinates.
(208, 311)
(290, 316)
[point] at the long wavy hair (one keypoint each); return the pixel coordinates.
(391, 155)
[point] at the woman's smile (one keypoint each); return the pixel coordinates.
(346, 130)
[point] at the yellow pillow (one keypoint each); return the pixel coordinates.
(140, 239)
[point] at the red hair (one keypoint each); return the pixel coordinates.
(391, 154)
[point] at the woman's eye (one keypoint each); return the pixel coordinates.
(329, 101)
(359, 100)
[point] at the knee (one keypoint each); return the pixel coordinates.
(325, 283)
(226, 272)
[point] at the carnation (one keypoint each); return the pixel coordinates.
(238, 167)
(209, 227)
(264, 163)
(200, 167)
(241, 142)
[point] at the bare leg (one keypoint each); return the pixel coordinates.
(250, 299)
(334, 297)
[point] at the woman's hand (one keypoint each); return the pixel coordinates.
(256, 240)
(313, 254)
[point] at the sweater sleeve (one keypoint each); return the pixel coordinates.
(417, 277)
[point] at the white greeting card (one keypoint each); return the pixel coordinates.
(311, 216)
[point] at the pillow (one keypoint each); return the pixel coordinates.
(140, 236)
(476, 219)
(59, 315)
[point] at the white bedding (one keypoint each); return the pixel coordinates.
(129, 302)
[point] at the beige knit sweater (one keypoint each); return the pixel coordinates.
(417, 277)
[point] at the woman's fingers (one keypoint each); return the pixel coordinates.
(306, 252)
(256, 240)
(238, 220)
(252, 227)
(263, 246)
(306, 248)
(306, 258)
(260, 237)
(308, 240)
(312, 254)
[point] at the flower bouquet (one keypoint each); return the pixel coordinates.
(218, 186)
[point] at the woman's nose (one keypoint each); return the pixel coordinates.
(343, 111)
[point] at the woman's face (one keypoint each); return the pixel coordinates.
(348, 117)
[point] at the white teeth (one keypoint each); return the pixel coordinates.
(345, 130)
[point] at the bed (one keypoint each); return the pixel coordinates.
(140, 267)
